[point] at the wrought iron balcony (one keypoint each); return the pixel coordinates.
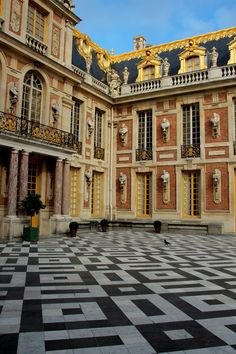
(98, 153)
(190, 151)
(18, 126)
(143, 154)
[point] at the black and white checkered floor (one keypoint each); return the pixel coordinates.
(119, 292)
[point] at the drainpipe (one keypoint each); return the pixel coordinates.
(111, 167)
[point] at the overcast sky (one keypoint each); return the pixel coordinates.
(114, 23)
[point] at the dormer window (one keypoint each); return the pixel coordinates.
(193, 58)
(149, 72)
(232, 50)
(193, 63)
(150, 67)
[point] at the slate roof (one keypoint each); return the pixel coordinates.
(220, 44)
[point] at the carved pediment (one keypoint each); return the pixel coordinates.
(192, 51)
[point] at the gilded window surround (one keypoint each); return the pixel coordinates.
(149, 60)
(232, 50)
(192, 50)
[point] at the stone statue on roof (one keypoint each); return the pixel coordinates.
(114, 82)
(125, 76)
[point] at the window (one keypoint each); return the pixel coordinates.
(97, 193)
(32, 97)
(234, 103)
(75, 120)
(36, 24)
(193, 63)
(98, 128)
(143, 194)
(74, 192)
(149, 72)
(191, 124)
(145, 130)
(191, 194)
(32, 178)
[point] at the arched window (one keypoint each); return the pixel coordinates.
(32, 97)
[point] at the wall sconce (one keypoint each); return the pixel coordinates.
(123, 131)
(216, 176)
(123, 187)
(166, 186)
(215, 125)
(55, 111)
(90, 124)
(13, 97)
(165, 124)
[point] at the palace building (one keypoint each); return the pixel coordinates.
(142, 136)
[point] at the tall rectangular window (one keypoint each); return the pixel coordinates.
(36, 23)
(191, 124)
(145, 130)
(97, 194)
(191, 194)
(143, 194)
(74, 192)
(98, 128)
(75, 120)
(234, 103)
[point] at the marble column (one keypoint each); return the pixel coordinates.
(58, 188)
(24, 168)
(12, 183)
(66, 188)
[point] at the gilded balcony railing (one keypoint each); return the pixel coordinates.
(190, 151)
(24, 128)
(143, 154)
(98, 153)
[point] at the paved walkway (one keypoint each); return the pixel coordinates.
(119, 292)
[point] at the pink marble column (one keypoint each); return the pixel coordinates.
(24, 167)
(66, 188)
(12, 183)
(58, 188)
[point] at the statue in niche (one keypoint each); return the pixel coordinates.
(90, 123)
(165, 177)
(214, 56)
(166, 67)
(114, 82)
(123, 134)
(89, 176)
(122, 179)
(14, 95)
(125, 75)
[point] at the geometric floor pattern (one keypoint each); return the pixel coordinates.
(119, 292)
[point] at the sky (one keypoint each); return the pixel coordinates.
(112, 24)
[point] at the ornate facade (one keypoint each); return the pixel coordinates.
(145, 135)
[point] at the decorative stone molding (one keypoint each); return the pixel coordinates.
(165, 124)
(15, 16)
(192, 50)
(150, 60)
(215, 125)
(214, 56)
(123, 187)
(166, 186)
(123, 131)
(216, 176)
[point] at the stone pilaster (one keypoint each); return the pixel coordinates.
(12, 183)
(66, 188)
(24, 167)
(58, 188)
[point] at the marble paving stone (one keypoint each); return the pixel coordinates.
(119, 292)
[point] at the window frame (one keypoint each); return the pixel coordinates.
(32, 28)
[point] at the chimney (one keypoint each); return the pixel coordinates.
(139, 42)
